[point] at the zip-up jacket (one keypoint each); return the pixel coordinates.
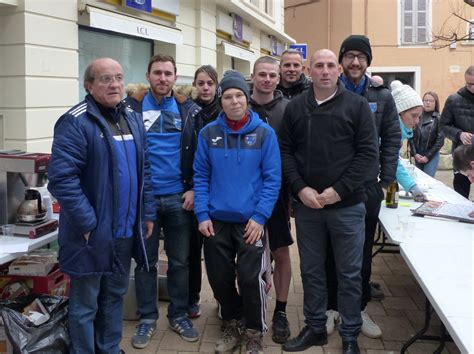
(388, 131)
(172, 136)
(237, 174)
(458, 116)
(84, 177)
(295, 90)
(329, 145)
(271, 112)
(403, 177)
(428, 138)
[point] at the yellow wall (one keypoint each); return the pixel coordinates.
(378, 19)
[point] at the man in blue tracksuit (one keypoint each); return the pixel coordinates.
(237, 178)
(99, 173)
(172, 137)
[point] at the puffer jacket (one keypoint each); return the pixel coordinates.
(83, 177)
(458, 116)
(428, 138)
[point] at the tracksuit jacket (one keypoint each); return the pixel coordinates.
(84, 176)
(237, 175)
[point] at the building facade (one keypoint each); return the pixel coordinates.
(45, 46)
(405, 36)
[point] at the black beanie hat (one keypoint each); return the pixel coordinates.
(233, 79)
(356, 42)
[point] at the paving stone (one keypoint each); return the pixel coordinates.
(381, 270)
(399, 303)
(398, 279)
(394, 328)
(211, 333)
(423, 348)
(375, 308)
(172, 341)
(379, 351)
(369, 343)
(152, 348)
(392, 345)
(398, 290)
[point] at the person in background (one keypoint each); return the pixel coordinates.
(270, 106)
(428, 137)
(135, 94)
(355, 57)
(410, 108)
(237, 179)
(377, 79)
(205, 83)
(463, 162)
(293, 81)
(328, 143)
(99, 172)
(457, 123)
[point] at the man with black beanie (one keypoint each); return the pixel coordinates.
(355, 56)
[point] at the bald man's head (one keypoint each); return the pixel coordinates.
(104, 81)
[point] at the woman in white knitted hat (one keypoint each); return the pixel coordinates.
(409, 108)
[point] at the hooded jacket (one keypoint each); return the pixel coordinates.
(458, 116)
(403, 177)
(329, 145)
(271, 112)
(295, 90)
(237, 174)
(84, 177)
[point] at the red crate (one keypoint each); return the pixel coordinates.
(55, 283)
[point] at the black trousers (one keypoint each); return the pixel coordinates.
(372, 205)
(195, 267)
(462, 185)
(227, 256)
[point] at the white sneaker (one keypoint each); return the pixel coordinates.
(369, 327)
(333, 319)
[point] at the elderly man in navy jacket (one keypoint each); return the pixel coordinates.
(99, 172)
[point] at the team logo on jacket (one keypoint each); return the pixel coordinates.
(259, 243)
(177, 123)
(250, 139)
(216, 140)
(373, 106)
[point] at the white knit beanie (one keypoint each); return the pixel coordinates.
(405, 97)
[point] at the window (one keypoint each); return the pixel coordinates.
(265, 6)
(415, 18)
(470, 29)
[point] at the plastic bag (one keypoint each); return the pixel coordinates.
(50, 337)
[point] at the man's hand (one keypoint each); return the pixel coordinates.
(149, 228)
(309, 197)
(328, 196)
(466, 138)
(421, 159)
(188, 200)
(206, 228)
(253, 232)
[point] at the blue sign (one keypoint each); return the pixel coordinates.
(142, 5)
(302, 48)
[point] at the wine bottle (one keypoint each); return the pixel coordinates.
(391, 200)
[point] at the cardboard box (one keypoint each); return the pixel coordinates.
(55, 283)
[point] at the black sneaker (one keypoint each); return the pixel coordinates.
(376, 292)
(280, 327)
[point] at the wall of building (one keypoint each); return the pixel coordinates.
(440, 70)
(39, 53)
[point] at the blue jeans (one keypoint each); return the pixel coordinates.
(177, 225)
(95, 307)
(431, 166)
(345, 228)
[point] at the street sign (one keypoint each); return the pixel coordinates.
(301, 47)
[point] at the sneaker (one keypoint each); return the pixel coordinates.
(184, 327)
(254, 341)
(332, 321)
(143, 335)
(280, 327)
(194, 311)
(376, 293)
(369, 327)
(231, 337)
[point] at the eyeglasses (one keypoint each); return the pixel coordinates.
(362, 58)
(108, 79)
(428, 101)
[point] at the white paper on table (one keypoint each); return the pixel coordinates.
(13, 244)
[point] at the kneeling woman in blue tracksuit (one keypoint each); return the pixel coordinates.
(237, 177)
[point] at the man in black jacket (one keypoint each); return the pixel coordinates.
(355, 57)
(293, 81)
(270, 106)
(328, 143)
(457, 122)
